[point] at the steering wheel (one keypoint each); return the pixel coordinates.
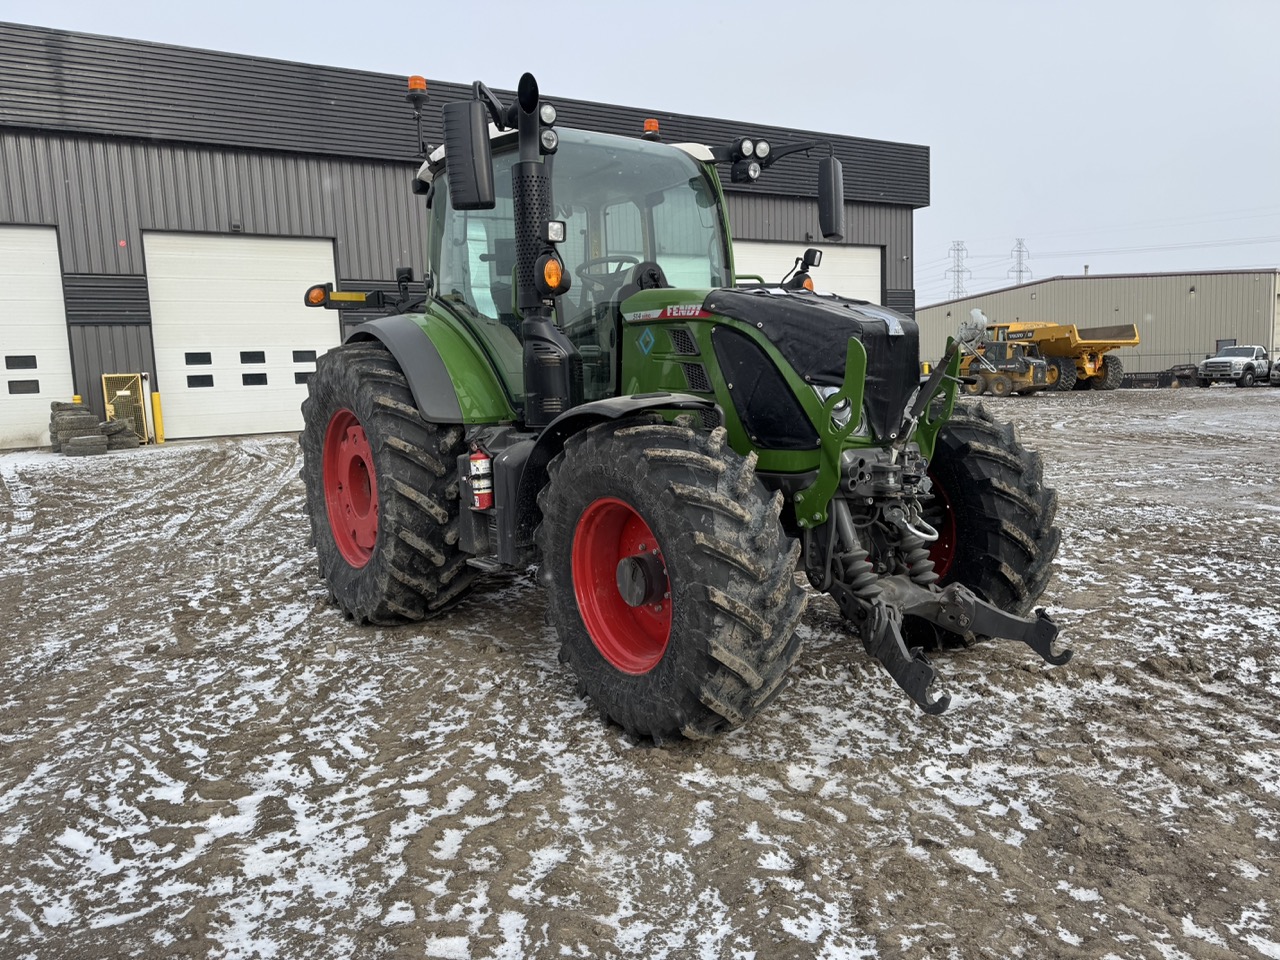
(621, 259)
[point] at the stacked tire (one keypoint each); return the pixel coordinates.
(71, 421)
(119, 434)
(74, 430)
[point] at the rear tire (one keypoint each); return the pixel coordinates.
(974, 389)
(381, 490)
(1112, 374)
(993, 511)
(711, 637)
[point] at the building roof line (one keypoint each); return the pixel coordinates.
(1099, 276)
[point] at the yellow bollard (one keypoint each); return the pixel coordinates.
(156, 419)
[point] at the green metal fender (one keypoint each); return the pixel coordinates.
(449, 377)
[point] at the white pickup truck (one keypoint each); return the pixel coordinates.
(1243, 366)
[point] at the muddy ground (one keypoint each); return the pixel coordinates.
(199, 757)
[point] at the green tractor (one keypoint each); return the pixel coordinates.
(585, 387)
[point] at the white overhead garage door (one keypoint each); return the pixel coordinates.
(846, 270)
(33, 335)
(234, 344)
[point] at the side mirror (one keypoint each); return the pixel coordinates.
(469, 157)
(831, 198)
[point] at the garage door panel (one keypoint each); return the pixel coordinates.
(234, 342)
(35, 358)
(850, 271)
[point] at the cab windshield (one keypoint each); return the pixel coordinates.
(623, 202)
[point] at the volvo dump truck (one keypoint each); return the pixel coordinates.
(586, 388)
(1078, 359)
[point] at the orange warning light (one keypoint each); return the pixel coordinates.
(418, 83)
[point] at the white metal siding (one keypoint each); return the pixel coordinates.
(227, 297)
(33, 323)
(850, 271)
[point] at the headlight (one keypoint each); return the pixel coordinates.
(841, 412)
(762, 148)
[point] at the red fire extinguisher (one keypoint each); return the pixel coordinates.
(481, 481)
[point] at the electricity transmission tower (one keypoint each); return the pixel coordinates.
(1021, 255)
(956, 271)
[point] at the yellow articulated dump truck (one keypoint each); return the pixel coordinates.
(1078, 359)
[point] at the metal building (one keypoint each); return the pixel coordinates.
(1181, 317)
(163, 208)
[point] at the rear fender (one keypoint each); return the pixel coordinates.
(454, 386)
(520, 471)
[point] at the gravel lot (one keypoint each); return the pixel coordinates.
(200, 757)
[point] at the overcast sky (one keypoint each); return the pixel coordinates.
(1130, 135)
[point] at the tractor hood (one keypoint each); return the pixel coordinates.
(811, 330)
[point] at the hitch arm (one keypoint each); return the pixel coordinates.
(880, 627)
(956, 608)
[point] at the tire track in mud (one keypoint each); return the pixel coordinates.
(21, 502)
(226, 767)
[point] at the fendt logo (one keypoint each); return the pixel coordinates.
(683, 310)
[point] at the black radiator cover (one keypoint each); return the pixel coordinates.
(811, 331)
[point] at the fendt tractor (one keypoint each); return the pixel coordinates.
(585, 387)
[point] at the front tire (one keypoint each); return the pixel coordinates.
(994, 514)
(1000, 386)
(704, 636)
(1247, 379)
(380, 490)
(1068, 375)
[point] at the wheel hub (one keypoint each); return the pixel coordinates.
(350, 488)
(641, 579)
(621, 584)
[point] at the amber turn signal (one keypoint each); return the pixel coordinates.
(552, 273)
(317, 295)
(808, 283)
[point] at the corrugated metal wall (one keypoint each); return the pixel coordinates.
(52, 79)
(100, 348)
(102, 193)
(1180, 317)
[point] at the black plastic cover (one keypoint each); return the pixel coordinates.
(766, 406)
(811, 331)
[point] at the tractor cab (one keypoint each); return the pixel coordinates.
(637, 215)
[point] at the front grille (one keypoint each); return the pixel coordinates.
(682, 342)
(696, 375)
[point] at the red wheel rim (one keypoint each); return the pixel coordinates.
(633, 639)
(350, 488)
(943, 550)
